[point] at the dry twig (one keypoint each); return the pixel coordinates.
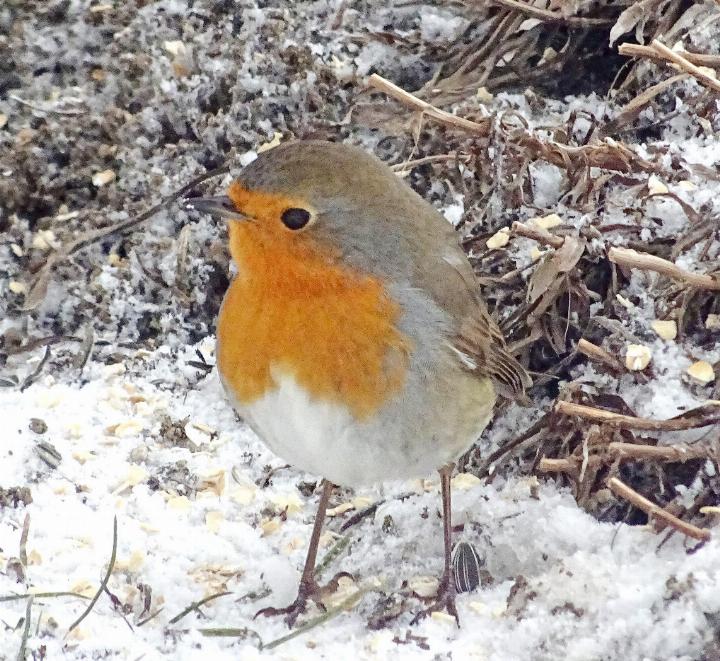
(26, 630)
(703, 416)
(658, 50)
(617, 451)
(383, 85)
(669, 453)
(638, 260)
(344, 605)
(195, 606)
(539, 234)
(104, 582)
(551, 16)
(37, 292)
(40, 595)
(700, 59)
(594, 352)
(654, 511)
(608, 155)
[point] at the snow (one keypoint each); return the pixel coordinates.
(202, 505)
(588, 589)
(593, 590)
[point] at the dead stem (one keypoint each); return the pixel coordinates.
(195, 606)
(26, 631)
(552, 17)
(405, 166)
(617, 451)
(658, 50)
(104, 582)
(344, 605)
(37, 293)
(40, 595)
(637, 260)
(610, 155)
(594, 352)
(530, 433)
(334, 552)
(655, 511)
(23, 540)
(703, 416)
(635, 106)
(669, 453)
(383, 85)
(538, 234)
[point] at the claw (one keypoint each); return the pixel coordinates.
(444, 601)
(306, 592)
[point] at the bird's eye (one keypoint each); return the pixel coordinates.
(295, 218)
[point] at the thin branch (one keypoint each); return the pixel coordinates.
(594, 352)
(635, 106)
(570, 466)
(605, 155)
(23, 540)
(105, 580)
(40, 595)
(669, 453)
(548, 16)
(344, 605)
(196, 606)
(436, 158)
(658, 50)
(36, 295)
(26, 631)
(639, 260)
(655, 511)
(703, 416)
(383, 85)
(539, 234)
(534, 430)
(683, 63)
(701, 59)
(617, 451)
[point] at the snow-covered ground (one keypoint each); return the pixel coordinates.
(192, 522)
(142, 432)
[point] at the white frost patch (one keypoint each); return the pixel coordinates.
(548, 182)
(454, 212)
(438, 25)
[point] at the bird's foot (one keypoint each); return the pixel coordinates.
(307, 592)
(444, 602)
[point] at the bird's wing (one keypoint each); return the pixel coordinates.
(478, 341)
(481, 347)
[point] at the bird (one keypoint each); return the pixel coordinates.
(353, 338)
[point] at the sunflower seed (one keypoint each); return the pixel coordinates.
(466, 567)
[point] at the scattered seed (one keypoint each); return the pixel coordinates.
(466, 567)
(499, 239)
(637, 357)
(667, 330)
(103, 177)
(702, 372)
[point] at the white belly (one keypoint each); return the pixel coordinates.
(324, 438)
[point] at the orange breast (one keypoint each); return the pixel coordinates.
(292, 309)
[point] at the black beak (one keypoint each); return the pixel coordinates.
(220, 205)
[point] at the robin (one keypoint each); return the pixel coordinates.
(353, 339)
